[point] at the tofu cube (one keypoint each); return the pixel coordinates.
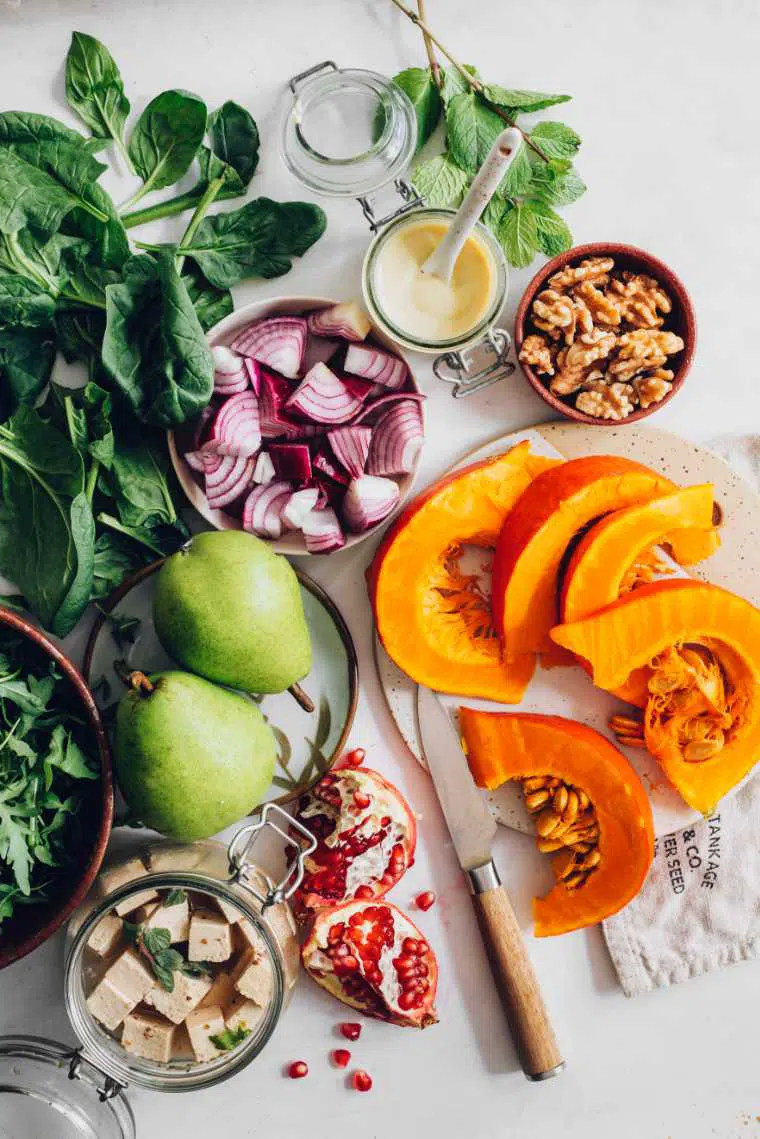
(111, 880)
(210, 937)
(174, 918)
(142, 913)
(109, 1005)
(242, 1013)
(129, 905)
(187, 994)
(253, 978)
(201, 1025)
(105, 937)
(148, 1036)
(131, 976)
(222, 992)
(247, 938)
(228, 911)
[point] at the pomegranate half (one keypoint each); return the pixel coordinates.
(371, 956)
(366, 837)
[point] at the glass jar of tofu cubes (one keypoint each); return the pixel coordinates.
(183, 958)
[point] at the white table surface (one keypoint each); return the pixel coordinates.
(665, 99)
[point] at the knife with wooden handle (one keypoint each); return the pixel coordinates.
(473, 830)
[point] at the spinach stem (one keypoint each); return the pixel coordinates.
(201, 210)
(92, 480)
(114, 524)
(170, 208)
(119, 144)
(81, 302)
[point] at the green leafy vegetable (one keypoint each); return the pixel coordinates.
(472, 130)
(29, 197)
(234, 151)
(554, 234)
(166, 139)
(24, 303)
(525, 101)
(518, 233)
(556, 140)
(454, 82)
(418, 84)
(95, 90)
(175, 898)
(211, 304)
(229, 1039)
(440, 181)
(26, 361)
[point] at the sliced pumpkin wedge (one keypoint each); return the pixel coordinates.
(556, 506)
(603, 844)
(432, 613)
(701, 645)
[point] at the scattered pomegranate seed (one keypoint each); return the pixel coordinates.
(425, 900)
(361, 1080)
(364, 893)
(355, 758)
(298, 1070)
(341, 1057)
(351, 1030)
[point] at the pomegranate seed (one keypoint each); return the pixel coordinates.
(351, 1030)
(425, 900)
(406, 1000)
(341, 1057)
(362, 800)
(355, 758)
(409, 946)
(361, 1080)
(364, 893)
(298, 1070)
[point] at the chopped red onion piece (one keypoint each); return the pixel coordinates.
(196, 460)
(322, 531)
(254, 370)
(263, 472)
(373, 364)
(262, 511)
(375, 410)
(200, 434)
(236, 429)
(396, 440)
(227, 478)
(350, 445)
(277, 341)
(324, 463)
(226, 362)
(368, 501)
(323, 397)
(299, 505)
(346, 320)
(291, 461)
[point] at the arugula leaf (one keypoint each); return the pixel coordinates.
(154, 349)
(518, 234)
(94, 88)
(556, 139)
(211, 304)
(522, 101)
(418, 84)
(229, 1039)
(29, 197)
(454, 83)
(166, 138)
(472, 129)
(26, 361)
(440, 181)
(553, 232)
(24, 303)
(64, 754)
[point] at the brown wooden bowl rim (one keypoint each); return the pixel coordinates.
(658, 269)
(35, 939)
(107, 606)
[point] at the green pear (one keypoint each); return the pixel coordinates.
(228, 608)
(190, 758)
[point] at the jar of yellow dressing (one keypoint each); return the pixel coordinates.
(352, 133)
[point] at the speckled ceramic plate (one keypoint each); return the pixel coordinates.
(569, 691)
(308, 743)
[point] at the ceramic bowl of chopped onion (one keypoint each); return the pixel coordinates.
(315, 428)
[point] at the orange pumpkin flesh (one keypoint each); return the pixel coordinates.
(433, 619)
(550, 512)
(502, 746)
(631, 632)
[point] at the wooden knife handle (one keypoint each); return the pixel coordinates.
(515, 978)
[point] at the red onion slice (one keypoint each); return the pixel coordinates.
(396, 441)
(322, 531)
(323, 397)
(368, 501)
(375, 410)
(263, 472)
(226, 362)
(254, 370)
(236, 429)
(262, 510)
(196, 460)
(299, 505)
(350, 445)
(277, 341)
(346, 320)
(227, 478)
(373, 364)
(324, 464)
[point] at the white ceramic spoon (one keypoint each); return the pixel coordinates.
(485, 183)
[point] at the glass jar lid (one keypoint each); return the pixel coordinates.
(47, 1089)
(347, 132)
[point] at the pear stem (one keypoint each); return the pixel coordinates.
(301, 697)
(133, 678)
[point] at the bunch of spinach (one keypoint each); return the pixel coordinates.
(85, 494)
(47, 775)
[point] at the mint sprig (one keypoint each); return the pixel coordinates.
(230, 1038)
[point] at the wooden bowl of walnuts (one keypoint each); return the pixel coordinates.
(605, 333)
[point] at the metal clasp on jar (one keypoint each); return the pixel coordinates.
(457, 367)
(296, 836)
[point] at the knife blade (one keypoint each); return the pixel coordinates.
(473, 830)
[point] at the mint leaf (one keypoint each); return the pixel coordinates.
(494, 212)
(156, 940)
(230, 1038)
(518, 234)
(556, 139)
(175, 898)
(440, 181)
(554, 234)
(418, 84)
(555, 187)
(519, 176)
(472, 130)
(454, 82)
(196, 969)
(525, 101)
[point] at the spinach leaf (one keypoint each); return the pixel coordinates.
(23, 303)
(210, 303)
(139, 481)
(27, 356)
(116, 556)
(29, 197)
(86, 281)
(23, 253)
(254, 241)
(46, 527)
(68, 164)
(94, 88)
(84, 414)
(234, 152)
(25, 126)
(80, 336)
(154, 349)
(166, 138)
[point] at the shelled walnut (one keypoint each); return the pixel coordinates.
(598, 335)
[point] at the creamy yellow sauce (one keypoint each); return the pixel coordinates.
(421, 304)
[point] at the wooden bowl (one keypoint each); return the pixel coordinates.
(30, 926)
(291, 542)
(681, 320)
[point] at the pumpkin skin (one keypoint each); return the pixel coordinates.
(516, 745)
(627, 634)
(535, 536)
(413, 619)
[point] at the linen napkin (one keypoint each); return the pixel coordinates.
(699, 908)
